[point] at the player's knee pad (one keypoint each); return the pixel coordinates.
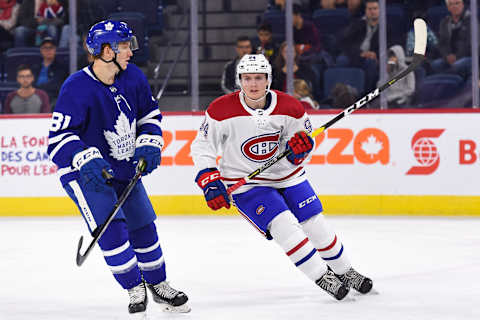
(144, 236)
(114, 236)
(283, 227)
(318, 230)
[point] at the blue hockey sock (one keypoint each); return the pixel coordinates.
(119, 254)
(146, 244)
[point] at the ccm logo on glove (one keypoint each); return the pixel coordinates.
(84, 156)
(213, 188)
(207, 178)
(149, 140)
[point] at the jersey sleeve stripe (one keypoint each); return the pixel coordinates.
(65, 170)
(149, 116)
(151, 121)
(58, 138)
(61, 144)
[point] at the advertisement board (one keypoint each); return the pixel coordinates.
(370, 162)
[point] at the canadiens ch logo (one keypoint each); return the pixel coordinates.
(261, 148)
(260, 209)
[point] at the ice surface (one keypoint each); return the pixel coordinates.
(424, 268)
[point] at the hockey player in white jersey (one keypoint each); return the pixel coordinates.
(247, 128)
(104, 121)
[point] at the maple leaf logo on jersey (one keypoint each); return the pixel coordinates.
(122, 142)
(372, 146)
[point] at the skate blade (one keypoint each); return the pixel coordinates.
(184, 308)
(372, 292)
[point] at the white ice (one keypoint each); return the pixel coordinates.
(423, 268)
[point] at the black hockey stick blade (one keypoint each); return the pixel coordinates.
(420, 28)
(98, 232)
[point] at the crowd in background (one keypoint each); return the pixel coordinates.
(333, 65)
(353, 50)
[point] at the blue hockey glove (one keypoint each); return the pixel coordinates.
(300, 144)
(95, 172)
(213, 188)
(149, 148)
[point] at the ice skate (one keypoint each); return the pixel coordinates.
(355, 280)
(138, 299)
(331, 284)
(172, 299)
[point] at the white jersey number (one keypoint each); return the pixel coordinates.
(59, 121)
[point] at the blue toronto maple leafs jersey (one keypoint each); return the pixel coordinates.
(91, 114)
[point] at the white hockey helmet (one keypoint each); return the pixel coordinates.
(253, 63)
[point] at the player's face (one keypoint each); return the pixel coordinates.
(25, 78)
(124, 54)
(254, 84)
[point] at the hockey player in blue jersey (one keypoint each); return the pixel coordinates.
(104, 121)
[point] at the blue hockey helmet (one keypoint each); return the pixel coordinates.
(111, 32)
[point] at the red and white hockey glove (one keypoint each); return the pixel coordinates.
(213, 188)
(300, 144)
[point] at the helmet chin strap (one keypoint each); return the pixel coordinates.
(254, 100)
(114, 60)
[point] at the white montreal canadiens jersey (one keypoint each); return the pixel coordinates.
(246, 138)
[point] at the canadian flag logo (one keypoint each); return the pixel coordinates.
(425, 151)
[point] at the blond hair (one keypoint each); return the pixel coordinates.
(302, 88)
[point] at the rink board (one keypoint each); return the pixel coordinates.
(404, 162)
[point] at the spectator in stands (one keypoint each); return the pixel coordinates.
(243, 47)
(360, 44)
(88, 13)
(50, 74)
(280, 4)
(306, 37)
(303, 92)
(327, 4)
(300, 70)
(264, 43)
(27, 24)
(50, 17)
(401, 93)
(8, 20)
(454, 41)
(26, 99)
(356, 8)
(341, 96)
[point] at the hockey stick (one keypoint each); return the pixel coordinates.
(420, 28)
(97, 233)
